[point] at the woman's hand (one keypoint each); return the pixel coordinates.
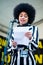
(14, 43)
(28, 35)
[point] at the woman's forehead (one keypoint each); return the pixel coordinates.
(23, 12)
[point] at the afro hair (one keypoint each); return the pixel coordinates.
(26, 8)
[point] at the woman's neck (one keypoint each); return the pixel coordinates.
(24, 25)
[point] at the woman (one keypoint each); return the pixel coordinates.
(25, 14)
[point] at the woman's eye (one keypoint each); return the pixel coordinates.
(20, 15)
(25, 16)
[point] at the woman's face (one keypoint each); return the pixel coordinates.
(23, 18)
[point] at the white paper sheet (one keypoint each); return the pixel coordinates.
(19, 35)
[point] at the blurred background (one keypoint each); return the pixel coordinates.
(6, 14)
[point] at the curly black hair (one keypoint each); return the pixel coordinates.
(26, 8)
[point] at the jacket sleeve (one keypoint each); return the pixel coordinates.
(35, 37)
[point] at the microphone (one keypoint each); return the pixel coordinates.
(14, 21)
